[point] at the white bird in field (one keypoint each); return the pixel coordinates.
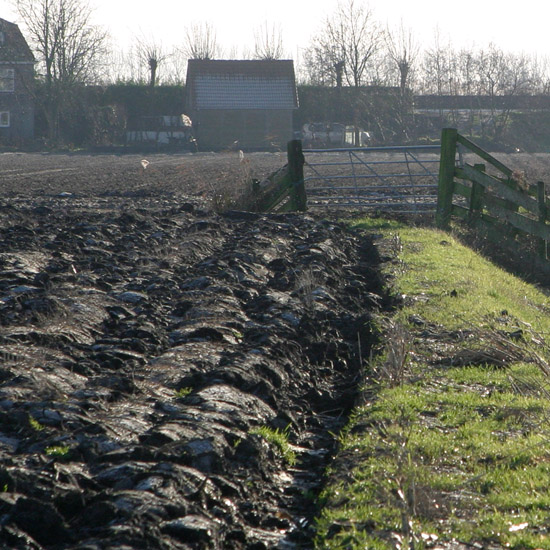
(144, 163)
(241, 157)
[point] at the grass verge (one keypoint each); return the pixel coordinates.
(451, 446)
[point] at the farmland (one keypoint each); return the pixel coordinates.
(174, 375)
(170, 377)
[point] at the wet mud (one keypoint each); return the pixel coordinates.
(149, 347)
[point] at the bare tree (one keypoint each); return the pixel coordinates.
(268, 43)
(403, 50)
(201, 42)
(177, 68)
(348, 42)
(322, 65)
(151, 54)
(342, 53)
(437, 67)
(68, 47)
(357, 37)
(502, 77)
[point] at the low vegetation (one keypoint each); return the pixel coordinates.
(449, 445)
(279, 441)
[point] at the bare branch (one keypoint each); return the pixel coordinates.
(268, 43)
(349, 41)
(201, 42)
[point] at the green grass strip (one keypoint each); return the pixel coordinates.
(454, 445)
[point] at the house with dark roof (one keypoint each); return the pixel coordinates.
(16, 85)
(248, 104)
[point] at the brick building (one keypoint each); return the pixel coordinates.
(16, 81)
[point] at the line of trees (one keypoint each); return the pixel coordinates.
(352, 49)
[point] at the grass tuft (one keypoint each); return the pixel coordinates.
(60, 451)
(279, 439)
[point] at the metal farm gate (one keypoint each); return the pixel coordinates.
(391, 179)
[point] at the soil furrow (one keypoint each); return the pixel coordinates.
(171, 377)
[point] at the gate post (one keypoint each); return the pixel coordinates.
(296, 162)
(446, 177)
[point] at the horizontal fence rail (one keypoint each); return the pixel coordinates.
(390, 179)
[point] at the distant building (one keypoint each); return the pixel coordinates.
(247, 104)
(16, 81)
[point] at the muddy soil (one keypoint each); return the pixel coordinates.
(202, 175)
(144, 340)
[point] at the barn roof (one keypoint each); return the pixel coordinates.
(241, 84)
(13, 46)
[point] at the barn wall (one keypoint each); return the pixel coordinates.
(252, 129)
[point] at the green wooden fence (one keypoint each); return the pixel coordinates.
(490, 196)
(284, 190)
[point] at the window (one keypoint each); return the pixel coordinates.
(7, 80)
(4, 119)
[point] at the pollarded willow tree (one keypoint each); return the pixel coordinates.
(403, 51)
(151, 53)
(69, 49)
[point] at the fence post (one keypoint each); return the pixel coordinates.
(446, 177)
(296, 171)
(543, 214)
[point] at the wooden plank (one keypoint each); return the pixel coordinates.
(485, 219)
(283, 190)
(460, 212)
(493, 231)
(462, 190)
(275, 198)
(272, 192)
(476, 196)
(513, 184)
(498, 202)
(491, 226)
(543, 216)
(531, 227)
(494, 234)
(496, 186)
(484, 155)
(541, 199)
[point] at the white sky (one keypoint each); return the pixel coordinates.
(516, 26)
